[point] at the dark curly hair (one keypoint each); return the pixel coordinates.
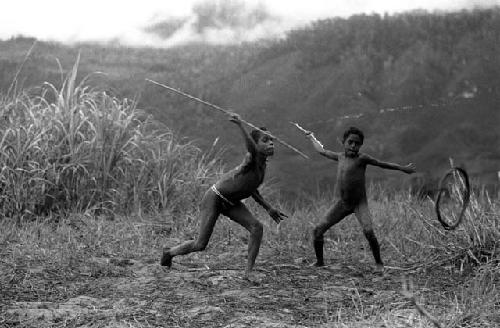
(256, 134)
(353, 130)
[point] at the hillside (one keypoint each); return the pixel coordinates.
(439, 72)
(443, 68)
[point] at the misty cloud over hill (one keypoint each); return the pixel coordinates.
(163, 24)
(219, 22)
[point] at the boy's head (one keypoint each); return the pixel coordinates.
(353, 130)
(264, 142)
(352, 140)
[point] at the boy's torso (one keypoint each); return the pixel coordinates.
(350, 186)
(242, 181)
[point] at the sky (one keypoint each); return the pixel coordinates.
(163, 23)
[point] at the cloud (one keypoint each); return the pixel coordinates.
(220, 22)
(236, 21)
(163, 23)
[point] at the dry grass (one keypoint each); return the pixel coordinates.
(76, 252)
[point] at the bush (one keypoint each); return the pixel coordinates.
(78, 149)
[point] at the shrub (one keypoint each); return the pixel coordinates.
(76, 149)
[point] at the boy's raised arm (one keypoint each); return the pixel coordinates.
(320, 149)
(409, 168)
(251, 147)
(276, 215)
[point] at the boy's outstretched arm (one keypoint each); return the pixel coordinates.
(320, 149)
(410, 168)
(251, 147)
(276, 215)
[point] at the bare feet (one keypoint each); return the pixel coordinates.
(166, 259)
(253, 278)
(247, 275)
(379, 269)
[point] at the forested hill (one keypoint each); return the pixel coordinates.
(441, 72)
(428, 86)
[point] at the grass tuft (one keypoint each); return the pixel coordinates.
(75, 149)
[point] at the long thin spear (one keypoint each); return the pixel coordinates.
(228, 113)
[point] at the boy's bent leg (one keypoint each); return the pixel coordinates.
(240, 214)
(374, 246)
(166, 259)
(333, 216)
(318, 251)
(209, 213)
(364, 217)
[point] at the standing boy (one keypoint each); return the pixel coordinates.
(350, 190)
(224, 197)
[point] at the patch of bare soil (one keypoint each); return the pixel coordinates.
(207, 290)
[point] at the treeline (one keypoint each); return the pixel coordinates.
(434, 48)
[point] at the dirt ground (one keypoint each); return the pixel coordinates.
(207, 290)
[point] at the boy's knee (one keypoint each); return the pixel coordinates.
(200, 246)
(257, 229)
(370, 234)
(367, 227)
(318, 234)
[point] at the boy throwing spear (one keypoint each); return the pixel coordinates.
(225, 196)
(350, 191)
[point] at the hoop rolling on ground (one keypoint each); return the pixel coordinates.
(227, 112)
(452, 198)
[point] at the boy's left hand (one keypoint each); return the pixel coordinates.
(276, 215)
(235, 118)
(410, 168)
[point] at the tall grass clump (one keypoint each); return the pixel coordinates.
(413, 231)
(73, 148)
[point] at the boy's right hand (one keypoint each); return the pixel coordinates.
(235, 118)
(410, 168)
(309, 134)
(276, 215)
(306, 132)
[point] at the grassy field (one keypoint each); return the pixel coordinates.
(92, 271)
(93, 190)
